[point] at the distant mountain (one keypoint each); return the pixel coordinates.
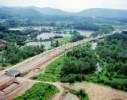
(104, 13)
(35, 11)
(31, 15)
(18, 12)
(52, 12)
(38, 15)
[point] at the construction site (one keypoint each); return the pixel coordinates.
(15, 80)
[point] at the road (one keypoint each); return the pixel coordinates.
(35, 63)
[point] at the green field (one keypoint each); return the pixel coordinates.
(65, 40)
(53, 70)
(39, 91)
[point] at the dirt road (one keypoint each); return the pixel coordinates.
(23, 86)
(98, 92)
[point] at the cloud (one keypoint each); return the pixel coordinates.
(69, 5)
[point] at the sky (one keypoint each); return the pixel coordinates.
(68, 5)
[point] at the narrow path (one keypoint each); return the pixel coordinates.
(94, 91)
(58, 85)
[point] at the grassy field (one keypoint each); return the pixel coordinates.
(53, 70)
(65, 40)
(39, 91)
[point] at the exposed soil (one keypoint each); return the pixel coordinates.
(98, 92)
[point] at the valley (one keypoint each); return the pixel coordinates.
(50, 54)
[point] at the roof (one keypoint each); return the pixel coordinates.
(13, 73)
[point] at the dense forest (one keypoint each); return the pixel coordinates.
(76, 36)
(104, 29)
(113, 57)
(79, 62)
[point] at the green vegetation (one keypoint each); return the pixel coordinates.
(13, 55)
(55, 43)
(76, 36)
(104, 29)
(60, 41)
(65, 40)
(78, 63)
(85, 24)
(39, 91)
(3, 26)
(13, 38)
(81, 94)
(53, 71)
(16, 37)
(84, 20)
(75, 65)
(113, 59)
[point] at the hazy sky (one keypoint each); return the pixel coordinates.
(68, 5)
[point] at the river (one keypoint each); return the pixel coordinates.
(99, 68)
(86, 33)
(47, 44)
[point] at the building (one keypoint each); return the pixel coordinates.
(13, 73)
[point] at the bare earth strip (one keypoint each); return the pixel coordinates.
(94, 91)
(24, 85)
(40, 69)
(98, 92)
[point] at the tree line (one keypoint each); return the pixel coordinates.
(13, 55)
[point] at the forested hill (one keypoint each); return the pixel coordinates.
(104, 13)
(6, 12)
(39, 15)
(52, 12)
(96, 12)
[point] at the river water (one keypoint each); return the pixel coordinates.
(44, 36)
(86, 33)
(99, 68)
(47, 44)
